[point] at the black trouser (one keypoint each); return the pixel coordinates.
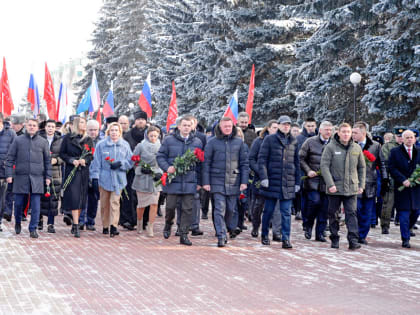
(186, 211)
(257, 209)
(350, 210)
(128, 213)
(205, 201)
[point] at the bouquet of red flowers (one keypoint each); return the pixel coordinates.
(139, 162)
(182, 165)
(86, 151)
(369, 157)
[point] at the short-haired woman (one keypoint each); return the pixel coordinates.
(112, 160)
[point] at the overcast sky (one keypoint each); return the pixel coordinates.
(37, 31)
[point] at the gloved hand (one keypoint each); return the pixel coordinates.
(116, 165)
(157, 176)
(297, 188)
(384, 186)
(264, 183)
(95, 187)
(145, 171)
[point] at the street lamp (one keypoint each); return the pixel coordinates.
(355, 79)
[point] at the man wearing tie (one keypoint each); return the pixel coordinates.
(402, 163)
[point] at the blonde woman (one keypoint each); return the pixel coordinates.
(74, 153)
(112, 160)
(143, 183)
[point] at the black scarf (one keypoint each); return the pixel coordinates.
(137, 134)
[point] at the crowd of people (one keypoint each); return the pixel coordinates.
(130, 169)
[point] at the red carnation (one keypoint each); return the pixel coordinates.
(47, 194)
(86, 147)
(242, 196)
(135, 158)
(93, 151)
(199, 154)
(107, 158)
(163, 178)
(14, 167)
(112, 160)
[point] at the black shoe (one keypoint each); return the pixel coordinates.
(397, 222)
(373, 226)
(406, 244)
(81, 227)
(128, 226)
(167, 231)
(204, 216)
(362, 241)
(24, 219)
(90, 227)
(105, 231)
(51, 228)
(354, 245)
(73, 229)
(177, 232)
(298, 216)
(76, 230)
(286, 244)
(67, 220)
(113, 231)
(18, 228)
(276, 238)
(412, 233)
(335, 243)
(385, 230)
(40, 225)
(196, 232)
(7, 216)
(415, 227)
(33, 234)
(243, 228)
(235, 232)
(159, 212)
(184, 240)
(308, 233)
(254, 232)
(265, 240)
(221, 242)
(1, 230)
(320, 238)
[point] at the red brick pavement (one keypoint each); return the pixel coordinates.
(131, 274)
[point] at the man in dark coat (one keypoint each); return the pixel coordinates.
(314, 186)
(49, 205)
(366, 208)
(31, 155)
(225, 175)
(278, 162)
(128, 216)
(7, 136)
(183, 187)
(403, 160)
(308, 130)
(247, 129)
(18, 124)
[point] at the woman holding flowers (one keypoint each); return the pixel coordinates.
(147, 171)
(77, 152)
(112, 160)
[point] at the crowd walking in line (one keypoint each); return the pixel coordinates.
(321, 174)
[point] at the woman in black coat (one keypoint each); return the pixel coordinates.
(74, 145)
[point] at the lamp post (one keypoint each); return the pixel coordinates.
(355, 79)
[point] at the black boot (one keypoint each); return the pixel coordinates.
(159, 212)
(254, 232)
(221, 242)
(286, 244)
(18, 228)
(406, 244)
(113, 231)
(73, 229)
(335, 242)
(76, 230)
(385, 230)
(105, 231)
(184, 240)
(265, 240)
(167, 230)
(308, 233)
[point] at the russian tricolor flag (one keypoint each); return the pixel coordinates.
(62, 103)
(94, 94)
(33, 95)
(108, 109)
(232, 109)
(145, 99)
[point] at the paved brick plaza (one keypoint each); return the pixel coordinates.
(131, 274)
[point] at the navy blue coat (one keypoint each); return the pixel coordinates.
(226, 164)
(253, 158)
(174, 145)
(278, 161)
(7, 136)
(401, 168)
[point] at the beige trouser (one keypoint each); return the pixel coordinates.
(110, 207)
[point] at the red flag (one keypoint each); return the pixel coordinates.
(49, 96)
(98, 118)
(250, 101)
(173, 109)
(6, 100)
